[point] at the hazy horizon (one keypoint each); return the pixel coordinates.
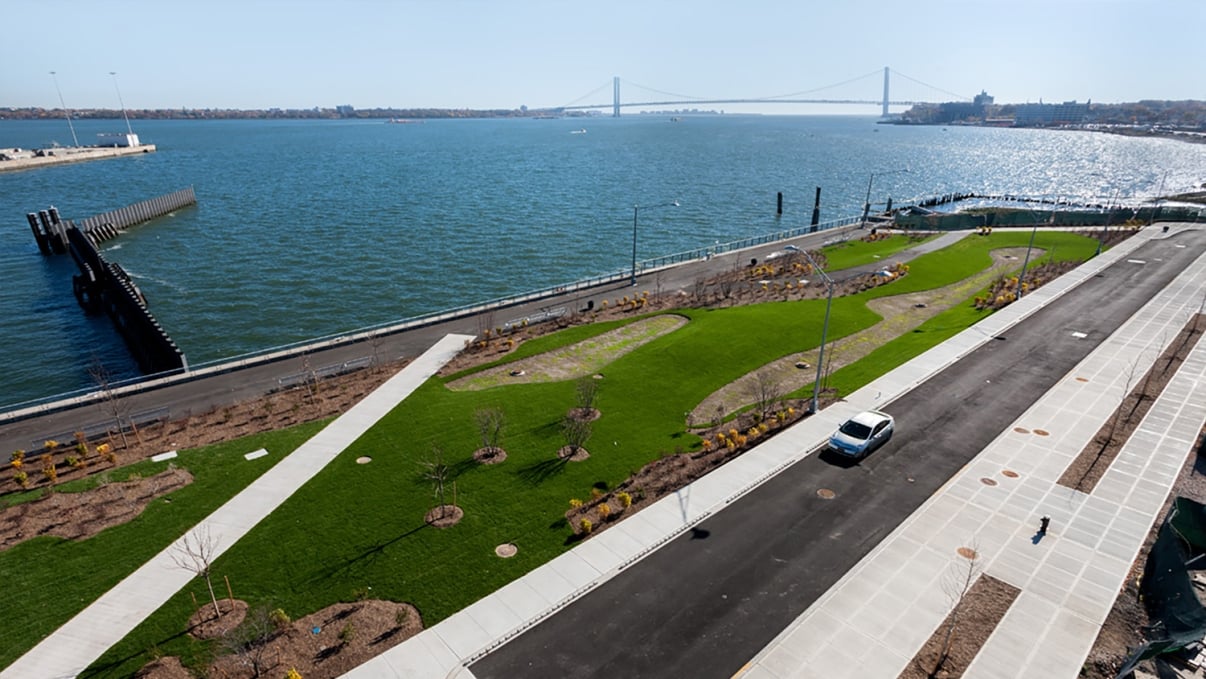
(473, 54)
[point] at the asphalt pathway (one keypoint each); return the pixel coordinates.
(709, 600)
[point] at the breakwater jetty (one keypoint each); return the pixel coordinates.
(102, 286)
(12, 159)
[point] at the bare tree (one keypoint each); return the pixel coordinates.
(194, 553)
(765, 391)
(699, 290)
(490, 423)
(957, 584)
(111, 401)
(375, 342)
(576, 433)
(249, 641)
(437, 472)
(586, 390)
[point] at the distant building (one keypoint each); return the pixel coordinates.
(983, 99)
(1048, 115)
(345, 111)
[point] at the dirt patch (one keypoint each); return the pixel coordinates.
(323, 645)
(584, 414)
(963, 633)
(572, 453)
(1093, 461)
(76, 516)
(581, 359)
(489, 455)
(316, 400)
(205, 624)
(444, 516)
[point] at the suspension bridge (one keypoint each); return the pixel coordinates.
(804, 97)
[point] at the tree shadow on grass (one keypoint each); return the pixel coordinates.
(364, 558)
(537, 472)
(117, 665)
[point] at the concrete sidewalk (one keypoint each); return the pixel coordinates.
(811, 647)
(84, 638)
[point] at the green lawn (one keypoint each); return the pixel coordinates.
(48, 580)
(357, 530)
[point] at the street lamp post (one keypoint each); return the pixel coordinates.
(816, 387)
(55, 78)
(636, 211)
(870, 181)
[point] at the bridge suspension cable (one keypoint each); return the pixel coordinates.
(662, 92)
(592, 93)
(826, 87)
(939, 89)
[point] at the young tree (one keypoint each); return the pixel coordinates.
(111, 401)
(576, 433)
(437, 472)
(765, 391)
(490, 423)
(586, 390)
(248, 642)
(195, 553)
(956, 584)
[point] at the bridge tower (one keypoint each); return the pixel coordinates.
(885, 113)
(615, 97)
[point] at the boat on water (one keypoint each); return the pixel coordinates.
(403, 121)
(581, 131)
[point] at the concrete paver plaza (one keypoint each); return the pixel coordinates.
(872, 622)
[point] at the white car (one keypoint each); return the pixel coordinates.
(863, 433)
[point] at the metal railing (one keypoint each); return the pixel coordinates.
(84, 395)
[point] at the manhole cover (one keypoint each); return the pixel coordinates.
(988, 482)
(826, 494)
(1009, 473)
(967, 553)
(1082, 379)
(1042, 432)
(506, 551)
(364, 459)
(1021, 430)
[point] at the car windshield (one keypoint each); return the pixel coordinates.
(856, 430)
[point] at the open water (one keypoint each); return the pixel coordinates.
(313, 228)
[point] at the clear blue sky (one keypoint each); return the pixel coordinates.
(507, 53)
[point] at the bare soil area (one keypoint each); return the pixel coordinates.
(75, 516)
(323, 645)
(953, 646)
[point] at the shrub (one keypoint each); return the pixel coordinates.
(75, 462)
(293, 674)
(575, 503)
(401, 617)
(347, 634)
(51, 444)
(625, 499)
(280, 619)
(604, 511)
(586, 526)
(21, 479)
(17, 456)
(596, 493)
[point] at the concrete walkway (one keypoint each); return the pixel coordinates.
(874, 620)
(79, 642)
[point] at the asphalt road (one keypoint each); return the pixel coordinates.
(189, 396)
(707, 602)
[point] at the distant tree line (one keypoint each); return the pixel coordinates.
(342, 112)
